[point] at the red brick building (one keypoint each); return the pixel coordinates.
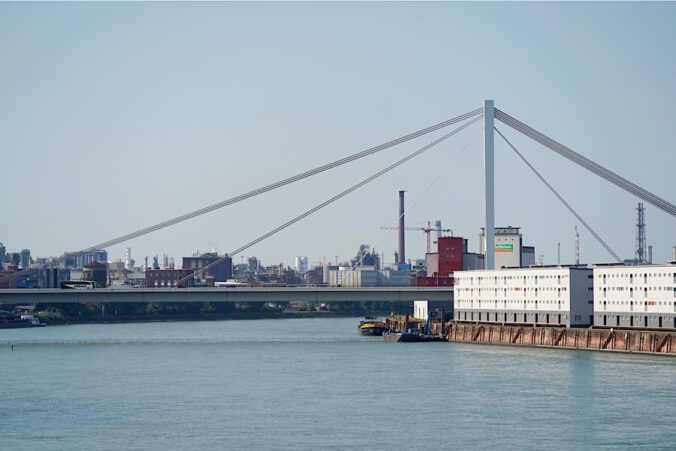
(442, 264)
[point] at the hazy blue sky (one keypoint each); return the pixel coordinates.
(117, 116)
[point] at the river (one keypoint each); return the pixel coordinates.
(306, 384)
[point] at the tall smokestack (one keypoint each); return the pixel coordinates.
(402, 251)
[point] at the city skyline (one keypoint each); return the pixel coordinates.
(143, 116)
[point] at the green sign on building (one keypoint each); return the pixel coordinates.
(504, 247)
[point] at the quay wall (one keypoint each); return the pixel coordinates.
(643, 341)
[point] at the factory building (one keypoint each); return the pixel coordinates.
(635, 296)
(539, 295)
(509, 249)
(368, 276)
(452, 255)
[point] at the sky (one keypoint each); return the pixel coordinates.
(116, 116)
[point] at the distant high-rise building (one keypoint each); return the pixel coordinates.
(127, 258)
(254, 264)
(3, 252)
(79, 260)
(301, 264)
(25, 259)
(13, 258)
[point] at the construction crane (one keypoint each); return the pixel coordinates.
(427, 231)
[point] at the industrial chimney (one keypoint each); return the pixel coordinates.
(402, 251)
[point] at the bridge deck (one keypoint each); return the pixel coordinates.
(239, 294)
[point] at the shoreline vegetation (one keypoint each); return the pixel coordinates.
(63, 314)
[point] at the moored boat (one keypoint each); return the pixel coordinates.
(371, 327)
(21, 322)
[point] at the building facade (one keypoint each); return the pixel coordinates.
(635, 296)
(219, 272)
(168, 278)
(509, 249)
(539, 295)
(96, 272)
(37, 278)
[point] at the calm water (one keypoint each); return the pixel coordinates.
(311, 384)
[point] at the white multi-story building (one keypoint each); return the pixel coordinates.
(635, 296)
(538, 295)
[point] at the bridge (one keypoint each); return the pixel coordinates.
(487, 112)
(237, 294)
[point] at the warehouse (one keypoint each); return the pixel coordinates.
(537, 295)
(635, 296)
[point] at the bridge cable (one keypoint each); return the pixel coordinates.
(586, 163)
(333, 199)
(563, 201)
(573, 156)
(415, 201)
(284, 182)
(593, 167)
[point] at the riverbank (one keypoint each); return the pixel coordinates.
(54, 321)
(61, 314)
